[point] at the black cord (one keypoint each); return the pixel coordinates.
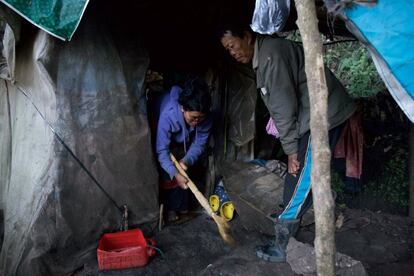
(86, 170)
(71, 152)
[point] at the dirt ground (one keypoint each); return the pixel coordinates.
(383, 243)
(196, 248)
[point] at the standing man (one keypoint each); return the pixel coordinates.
(280, 75)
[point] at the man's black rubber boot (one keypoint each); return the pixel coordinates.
(276, 251)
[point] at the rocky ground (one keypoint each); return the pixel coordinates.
(383, 243)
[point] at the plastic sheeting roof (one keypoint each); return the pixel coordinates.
(388, 31)
(59, 18)
(385, 28)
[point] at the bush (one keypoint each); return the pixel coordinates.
(385, 168)
(352, 64)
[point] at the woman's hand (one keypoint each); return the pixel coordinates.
(183, 165)
(181, 181)
(293, 164)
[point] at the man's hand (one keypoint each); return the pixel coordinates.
(181, 181)
(293, 164)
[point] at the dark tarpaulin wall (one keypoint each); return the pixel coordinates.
(241, 104)
(234, 129)
(91, 91)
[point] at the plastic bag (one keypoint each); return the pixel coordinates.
(270, 16)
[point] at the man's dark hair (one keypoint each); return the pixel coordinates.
(233, 29)
(195, 95)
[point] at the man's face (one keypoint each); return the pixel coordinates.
(239, 48)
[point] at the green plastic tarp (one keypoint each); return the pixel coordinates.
(59, 18)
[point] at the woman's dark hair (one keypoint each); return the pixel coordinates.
(195, 95)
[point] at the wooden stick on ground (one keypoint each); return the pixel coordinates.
(161, 219)
(223, 226)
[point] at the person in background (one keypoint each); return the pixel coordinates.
(280, 75)
(183, 129)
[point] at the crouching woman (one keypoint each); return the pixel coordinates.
(183, 130)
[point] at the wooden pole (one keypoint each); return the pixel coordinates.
(321, 155)
(223, 226)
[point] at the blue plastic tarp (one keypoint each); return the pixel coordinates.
(387, 29)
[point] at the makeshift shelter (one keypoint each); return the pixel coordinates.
(75, 142)
(69, 111)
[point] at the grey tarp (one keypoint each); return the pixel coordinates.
(91, 92)
(241, 104)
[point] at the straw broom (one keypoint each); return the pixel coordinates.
(223, 226)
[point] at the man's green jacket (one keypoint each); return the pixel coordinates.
(280, 75)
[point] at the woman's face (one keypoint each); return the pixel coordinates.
(239, 48)
(192, 118)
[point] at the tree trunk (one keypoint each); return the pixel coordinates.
(411, 169)
(321, 155)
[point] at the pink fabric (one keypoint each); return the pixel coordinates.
(350, 146)
(271, 128)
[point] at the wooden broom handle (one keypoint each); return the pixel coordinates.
(200, 197)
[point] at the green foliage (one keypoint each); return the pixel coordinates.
(337, 184)
(386, 169)
(352, 64)
(391, 183)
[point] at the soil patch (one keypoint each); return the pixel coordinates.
(382, 242)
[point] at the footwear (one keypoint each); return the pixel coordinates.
(294, 226)
(214, 203)
(227, 210)
(172, 216)
(275, 251)
(273, 217)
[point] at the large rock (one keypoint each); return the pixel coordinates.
(302, 260)
(255, 192)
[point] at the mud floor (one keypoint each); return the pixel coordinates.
(383, 243)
